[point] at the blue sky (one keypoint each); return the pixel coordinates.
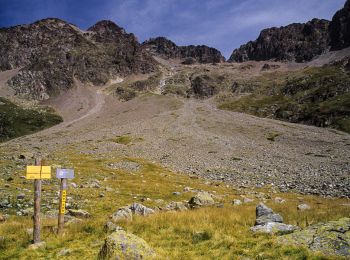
(223, 24)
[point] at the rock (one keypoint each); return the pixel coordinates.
(123, 213)
(247, 200)
(2, 218)
(274, 228)
(269, 222)
(265, 215)
(64, 252)
(79, 213)
(279, 200)
(140, 209)
(111, 227)
(298, 41)
(37, 246)
(177, 206)
(125, 165)
(21, 196)
(187, 189)
(28, 212)
(176, 193)
(204, 86)
(339, 28)
(73, 185)
(167, 49)
(123, 245)
(159, 201)
(331, 238)
(303, 207)
(201, 199)
(237, 202)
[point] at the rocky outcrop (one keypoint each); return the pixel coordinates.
(126, 213)
(52, 52)
(298, 41)
(339, 28)
(269, 222)
(189, 54)
(123, 245)
(331, 238)
(203, 86)
(201, 199)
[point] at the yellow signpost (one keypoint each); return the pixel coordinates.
(37, 172)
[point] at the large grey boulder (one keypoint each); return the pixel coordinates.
(201, 199)
(176, 206)
(331, 238)
(270, 222)
(126, 213)
(123, 245)
(139, 209)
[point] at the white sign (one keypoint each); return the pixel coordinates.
(64, 173)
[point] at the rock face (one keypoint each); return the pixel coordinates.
(331, 238)
(269, 222)
(52, 52)
(339, 28)
(298, 41)
(123, 245)
(167, 49)
(203, 86)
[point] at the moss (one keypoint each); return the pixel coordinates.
(272, 136)
(16, 121)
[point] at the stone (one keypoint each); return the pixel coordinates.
(264, 215)
(303, 207)
(37, 246)
(123, 245)
(140, 209)
(176, 193)
(176, 206)
(330, 238)
(201, 199)
(111, 227)
(123, 213)
(279, 200)
(64, 252)
(247, 200)
(73, 185)
(21, 196)
(79, 213)
(2, 218)
(274, 228)
(236, 202)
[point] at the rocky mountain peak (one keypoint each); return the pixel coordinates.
(106, 27)
(295, 42)
(167, 49)
(339, 28)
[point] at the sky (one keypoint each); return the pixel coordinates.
(223, 24)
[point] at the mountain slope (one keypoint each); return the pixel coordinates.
(339, 28)
(52, 53)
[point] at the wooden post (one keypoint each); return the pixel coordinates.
(62, 206)
(37, 200)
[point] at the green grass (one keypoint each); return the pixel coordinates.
(207, 233)
(272, 136)
(16, 121)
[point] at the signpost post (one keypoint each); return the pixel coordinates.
(63, 174)
(37, 173)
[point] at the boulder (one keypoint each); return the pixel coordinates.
(270, 222)
(139, 209)
(274, 228)
(111, 227)
(237, 202)
(21, 196)
(123, 213)
(37, 246)
(201, 199)
(123, 245)
(303, 207)
(176, 206)
(331, 238)
(79, 213)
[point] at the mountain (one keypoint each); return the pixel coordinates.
(339, 28)
(298, 41)
(52, 53)
(167, 49)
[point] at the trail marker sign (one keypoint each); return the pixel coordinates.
(64, 173)
(37, 172)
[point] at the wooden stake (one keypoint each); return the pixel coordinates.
(37, 200)
(62, 206)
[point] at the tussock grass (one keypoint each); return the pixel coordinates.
(207, 233)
